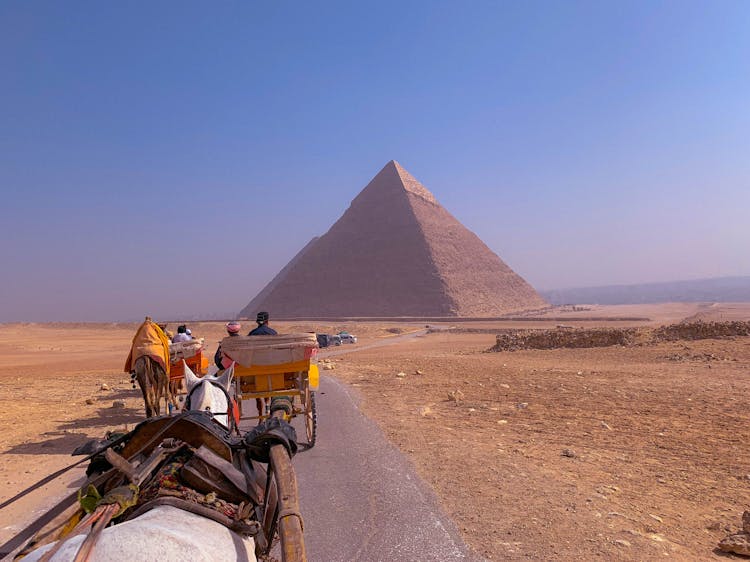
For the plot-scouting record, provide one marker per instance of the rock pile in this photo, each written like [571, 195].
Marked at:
[738, 543]
[514, 340]
[701, 331]
[564, 337]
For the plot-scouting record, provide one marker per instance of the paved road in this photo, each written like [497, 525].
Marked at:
[361, 499]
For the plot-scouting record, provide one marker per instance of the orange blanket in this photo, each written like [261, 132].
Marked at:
[149, 340]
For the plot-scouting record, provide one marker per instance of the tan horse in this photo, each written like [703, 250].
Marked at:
[148, 363]
[154, 383]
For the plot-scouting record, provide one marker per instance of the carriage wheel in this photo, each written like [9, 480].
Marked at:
[311, 418]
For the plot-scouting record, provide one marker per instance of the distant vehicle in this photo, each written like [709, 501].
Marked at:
[346, 337]
[326, 340]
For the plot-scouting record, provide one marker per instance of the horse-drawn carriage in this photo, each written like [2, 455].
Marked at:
[277, 372]
[188, 354]
[181, 484]
[177, 484]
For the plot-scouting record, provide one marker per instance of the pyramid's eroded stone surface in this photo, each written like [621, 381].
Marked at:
[395, 252]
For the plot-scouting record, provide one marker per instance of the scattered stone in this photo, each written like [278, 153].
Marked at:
[502, 422]
[738, 543]
[104, 386]
[118, 404]
[425, 411]
[579, 373]
[401, 375]
[503, 385]
[472, 410]
[655, 517]
[622, 542]
[455, 396]
[570, 453]
[606, 426]
[522, 405]
[514, 339]
[89, 401]
[328, 367]
[418, 372]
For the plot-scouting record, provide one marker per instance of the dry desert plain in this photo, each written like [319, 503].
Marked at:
[627, 453]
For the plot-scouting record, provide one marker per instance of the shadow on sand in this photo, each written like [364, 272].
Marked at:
[107, 418]
[62, 445]
[66, 438]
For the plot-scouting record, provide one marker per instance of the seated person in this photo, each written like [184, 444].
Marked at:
[181, 334]
[233, 329]
[263, 328]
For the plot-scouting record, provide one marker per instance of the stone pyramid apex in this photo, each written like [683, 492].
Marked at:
[393, 176]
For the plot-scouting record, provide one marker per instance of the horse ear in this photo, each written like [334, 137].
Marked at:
[190, 379]
[225, 379]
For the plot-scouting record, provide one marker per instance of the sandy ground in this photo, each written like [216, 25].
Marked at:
[611, 453]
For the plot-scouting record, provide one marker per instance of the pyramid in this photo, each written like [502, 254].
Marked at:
[395, 252]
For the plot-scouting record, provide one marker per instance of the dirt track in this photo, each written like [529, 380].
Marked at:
[610, 453]
[601, 453]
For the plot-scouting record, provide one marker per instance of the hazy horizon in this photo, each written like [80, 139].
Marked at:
[170, 162]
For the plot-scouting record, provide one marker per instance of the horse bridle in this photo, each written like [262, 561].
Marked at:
[233, 424]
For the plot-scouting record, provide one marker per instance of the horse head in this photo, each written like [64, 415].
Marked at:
[210, 393]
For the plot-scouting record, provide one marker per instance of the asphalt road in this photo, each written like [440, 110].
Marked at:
[360, 497]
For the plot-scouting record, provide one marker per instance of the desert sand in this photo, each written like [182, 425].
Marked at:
[609, 453]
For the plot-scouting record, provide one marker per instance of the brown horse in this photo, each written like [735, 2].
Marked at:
[154, 383]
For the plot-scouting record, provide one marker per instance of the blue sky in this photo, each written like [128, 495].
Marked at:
[170, 157]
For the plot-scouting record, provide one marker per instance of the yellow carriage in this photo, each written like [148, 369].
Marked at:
[272, 368]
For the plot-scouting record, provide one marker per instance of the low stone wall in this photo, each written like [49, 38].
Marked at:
[701, 331]
[514, 340]
[564, 337]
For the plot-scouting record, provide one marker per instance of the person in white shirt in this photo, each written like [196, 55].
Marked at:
[181, 334]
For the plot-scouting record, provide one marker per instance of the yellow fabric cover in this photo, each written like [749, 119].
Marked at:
[149, 340]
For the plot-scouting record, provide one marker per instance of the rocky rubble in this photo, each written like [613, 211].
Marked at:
[513, 340]
[564, 337]
[738, 543]
[700, 331]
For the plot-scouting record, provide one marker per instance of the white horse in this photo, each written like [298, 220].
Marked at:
[167, 533]
[210, 394]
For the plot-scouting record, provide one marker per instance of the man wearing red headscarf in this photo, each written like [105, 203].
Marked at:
[233, 329]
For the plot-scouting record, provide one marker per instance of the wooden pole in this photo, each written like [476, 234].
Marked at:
[290, 520]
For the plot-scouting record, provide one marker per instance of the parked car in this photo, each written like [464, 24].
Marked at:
[326, 340]
[346, 337]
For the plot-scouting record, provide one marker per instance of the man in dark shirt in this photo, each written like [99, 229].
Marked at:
[263, 328]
